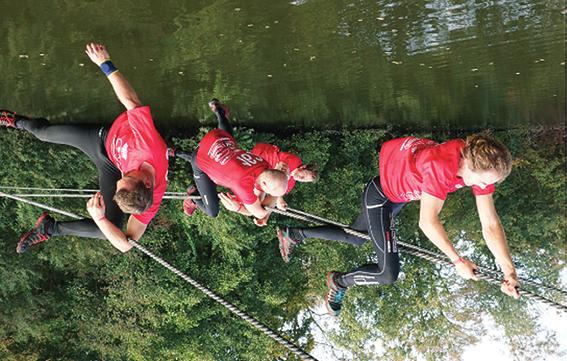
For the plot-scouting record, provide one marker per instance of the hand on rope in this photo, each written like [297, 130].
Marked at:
[96, 207]
[510, 285]
[466, 268]
[281, 203]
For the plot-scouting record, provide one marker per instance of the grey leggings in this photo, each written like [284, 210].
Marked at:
[376, 219]
[90, 140]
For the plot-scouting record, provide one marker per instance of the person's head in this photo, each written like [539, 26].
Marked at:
[134, 193]
[485, 160]
[273, 182]
[306, 173]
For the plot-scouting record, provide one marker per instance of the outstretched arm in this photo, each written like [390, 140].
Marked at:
[124, 91]
[430, 224]
[495, 238]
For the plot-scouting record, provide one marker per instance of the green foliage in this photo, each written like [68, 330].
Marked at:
[74, 298]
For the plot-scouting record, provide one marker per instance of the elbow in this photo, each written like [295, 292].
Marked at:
[424, 225]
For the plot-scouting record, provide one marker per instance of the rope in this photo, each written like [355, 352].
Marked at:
[311, 217]
[303, 355]
[308, 217]
[415, 251]
[487, 274]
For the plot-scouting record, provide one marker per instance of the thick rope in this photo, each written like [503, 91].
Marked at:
[410, 249]
[308, 217]
[303, 355]
[311, 218]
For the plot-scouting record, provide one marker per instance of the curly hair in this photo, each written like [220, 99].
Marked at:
[135, 200]
[483, 152]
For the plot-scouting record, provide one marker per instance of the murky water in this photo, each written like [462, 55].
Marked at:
[415, 64]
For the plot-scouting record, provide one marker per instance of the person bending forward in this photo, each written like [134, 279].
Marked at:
[131, 161]
[419, 169]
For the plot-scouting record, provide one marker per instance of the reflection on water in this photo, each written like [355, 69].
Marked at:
[418, 64]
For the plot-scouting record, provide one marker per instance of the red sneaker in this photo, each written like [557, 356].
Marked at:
[217, 106]
[39, 233]
[8, 118]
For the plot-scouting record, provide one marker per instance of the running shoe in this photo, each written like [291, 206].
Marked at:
[189, 206]
[287, 244]
[335, 294]
[39, 233]
[8, 118]
[217, 106]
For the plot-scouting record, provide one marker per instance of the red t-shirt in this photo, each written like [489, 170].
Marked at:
[273, 155]
[133, 140]
[410, 166]
[229, 166]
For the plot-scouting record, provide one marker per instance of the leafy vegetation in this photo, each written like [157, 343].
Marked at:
[80, 299]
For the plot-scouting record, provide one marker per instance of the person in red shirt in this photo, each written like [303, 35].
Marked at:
[219, 161]
[131, 160]
[284, 161]
[414, 169]
[289, 162]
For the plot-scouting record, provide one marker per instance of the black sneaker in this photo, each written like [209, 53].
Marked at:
[9, 118]
[39, 233]
[335, 294]
[287, 244]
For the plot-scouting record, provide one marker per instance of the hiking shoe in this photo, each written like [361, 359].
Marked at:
[335, 294]
[287, 244]
[39, 233]
[218, 107]
[189, 206]
[8, 118]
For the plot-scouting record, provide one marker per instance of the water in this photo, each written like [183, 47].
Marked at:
[321, 64]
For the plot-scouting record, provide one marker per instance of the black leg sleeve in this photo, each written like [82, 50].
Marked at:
[89, 140]
[378, 212]
[209, 202]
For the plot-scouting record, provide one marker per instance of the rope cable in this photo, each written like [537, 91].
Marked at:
[303, 355]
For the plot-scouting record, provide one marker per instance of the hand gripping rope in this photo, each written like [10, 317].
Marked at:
[490, 275]
[303, 355]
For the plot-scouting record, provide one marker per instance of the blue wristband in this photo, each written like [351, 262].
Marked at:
[108, 68]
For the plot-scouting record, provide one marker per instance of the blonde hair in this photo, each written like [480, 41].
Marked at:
[136, 200]
[483, 152]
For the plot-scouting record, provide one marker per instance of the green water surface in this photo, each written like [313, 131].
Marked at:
[312, 63]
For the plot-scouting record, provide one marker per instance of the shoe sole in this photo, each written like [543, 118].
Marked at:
[283, 245]
[25, 235]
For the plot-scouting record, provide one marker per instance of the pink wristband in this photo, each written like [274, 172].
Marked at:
[101, 218]
[457, 261]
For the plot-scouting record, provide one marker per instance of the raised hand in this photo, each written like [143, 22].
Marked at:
[97, 53]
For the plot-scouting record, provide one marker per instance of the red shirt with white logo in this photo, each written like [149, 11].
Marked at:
[410, 166]
[229, 166]
[132, 140]
[273, 155]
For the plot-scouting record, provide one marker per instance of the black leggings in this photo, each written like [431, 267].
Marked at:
[209, 202]
[90, 140]
[376, 219]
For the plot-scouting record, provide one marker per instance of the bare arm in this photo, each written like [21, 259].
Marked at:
[430, 224]
[117, 238]
[124, 91]
[495, 238]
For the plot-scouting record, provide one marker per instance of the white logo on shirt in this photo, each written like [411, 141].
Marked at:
[222, 150]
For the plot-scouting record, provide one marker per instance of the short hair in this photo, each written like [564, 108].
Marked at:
[484, 152]
[135, 200]
[276, 176]
[313, 168]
